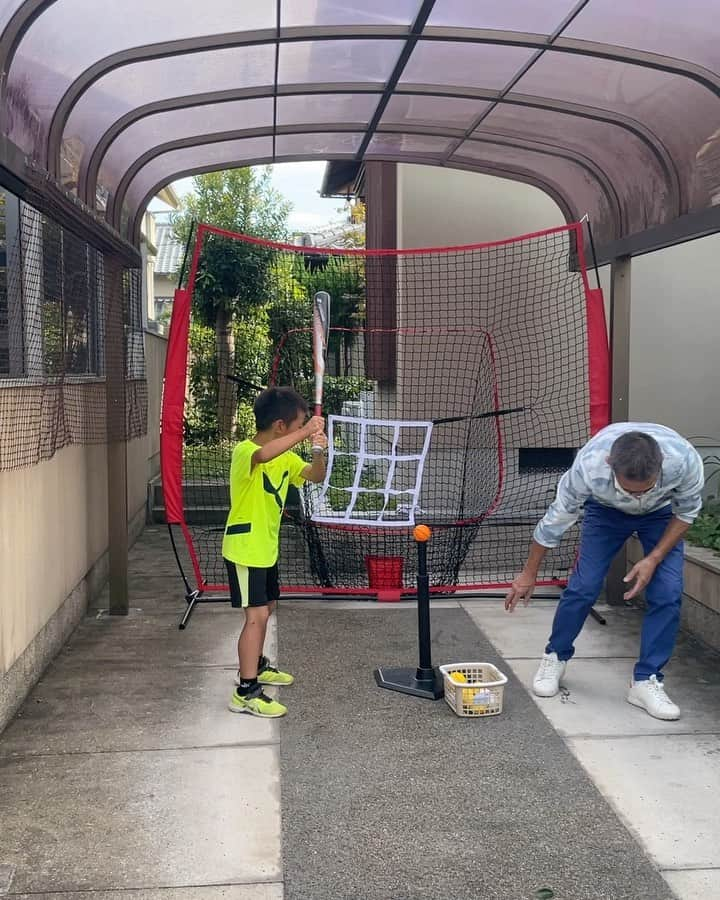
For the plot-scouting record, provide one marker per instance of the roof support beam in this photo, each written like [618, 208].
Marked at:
[513, 173]
[594, 172]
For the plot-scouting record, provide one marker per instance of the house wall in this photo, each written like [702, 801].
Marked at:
[54, 541]
[445, 207]
[675, 343]
[521, 307]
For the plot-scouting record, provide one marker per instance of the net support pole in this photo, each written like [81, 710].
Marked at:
[424, 681]
[116, 437]
[620, 407]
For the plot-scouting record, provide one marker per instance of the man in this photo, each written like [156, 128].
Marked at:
[630, 478]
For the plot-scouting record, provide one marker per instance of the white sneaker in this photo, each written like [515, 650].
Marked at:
[546, 682]
[650, 695]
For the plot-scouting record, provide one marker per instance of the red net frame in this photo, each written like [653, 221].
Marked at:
[406, 269]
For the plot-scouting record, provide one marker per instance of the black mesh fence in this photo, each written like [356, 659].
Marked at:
[416, 336]
[70, 326]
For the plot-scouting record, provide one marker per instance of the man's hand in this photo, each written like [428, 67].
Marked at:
[521, 589]
[641, 573]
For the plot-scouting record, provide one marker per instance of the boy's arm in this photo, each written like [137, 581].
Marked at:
[279, 445]
[316, 471]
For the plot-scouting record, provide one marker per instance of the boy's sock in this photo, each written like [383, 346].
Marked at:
[247, 686]
[262, 663]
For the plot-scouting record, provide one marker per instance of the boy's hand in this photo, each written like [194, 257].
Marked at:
[316, 425]
[320, 440]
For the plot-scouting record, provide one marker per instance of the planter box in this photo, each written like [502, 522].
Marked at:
[701, 599]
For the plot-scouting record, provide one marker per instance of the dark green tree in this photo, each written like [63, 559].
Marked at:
[233, 277]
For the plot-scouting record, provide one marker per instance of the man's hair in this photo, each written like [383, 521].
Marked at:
[277, 403]
[636, 456]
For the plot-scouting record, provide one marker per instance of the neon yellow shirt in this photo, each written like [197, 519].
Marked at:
[257, 500]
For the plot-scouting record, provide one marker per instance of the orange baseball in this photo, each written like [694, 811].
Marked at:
[421, 533]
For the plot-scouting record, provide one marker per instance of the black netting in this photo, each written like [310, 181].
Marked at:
[70, 325]
[427, 336]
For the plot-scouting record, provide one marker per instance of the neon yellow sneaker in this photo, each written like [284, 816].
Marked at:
[256, 704]
[268, 674]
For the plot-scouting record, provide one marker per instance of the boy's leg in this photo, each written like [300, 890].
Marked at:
[267, 673]
[252, 641]
[604, 531]
[249, 586]
[664, 598]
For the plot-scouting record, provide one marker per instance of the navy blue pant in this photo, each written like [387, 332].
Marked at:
[604, 531]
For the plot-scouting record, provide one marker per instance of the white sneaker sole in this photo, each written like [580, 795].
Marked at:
[640, 705]
[544, 694]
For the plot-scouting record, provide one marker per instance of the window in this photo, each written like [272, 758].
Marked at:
[11, 321]
[545, 459]
[68, 303]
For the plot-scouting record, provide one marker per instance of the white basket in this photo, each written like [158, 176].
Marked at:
[480, 695]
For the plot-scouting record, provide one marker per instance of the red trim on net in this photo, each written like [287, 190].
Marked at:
[337, 251]
[598, 361]
[176, 374]
[598, 344]
[173, 407]
[369, 592]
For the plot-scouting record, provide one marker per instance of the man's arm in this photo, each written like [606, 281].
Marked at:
[279, 445]
[564, 511]
[686, 504]
[643, 571]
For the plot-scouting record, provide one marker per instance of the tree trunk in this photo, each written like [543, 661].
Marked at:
[227, 402]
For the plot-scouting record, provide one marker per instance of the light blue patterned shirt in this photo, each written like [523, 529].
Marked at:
[680, 483]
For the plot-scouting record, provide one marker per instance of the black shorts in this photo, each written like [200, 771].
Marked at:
[250, 586]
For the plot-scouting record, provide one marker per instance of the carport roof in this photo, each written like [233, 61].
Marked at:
[612, 108]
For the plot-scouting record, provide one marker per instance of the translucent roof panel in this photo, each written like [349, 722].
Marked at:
[655, 99]
[613, 107]
[7, 8]
[654, 26]
[338, 12]
[617, 153]
[329, 62]
[449, 62]
[180, 124]
[142, 83]
[326, 108]
[510, 15]
[60, 47]
[394, 146]
[328, 145]
[421, 110]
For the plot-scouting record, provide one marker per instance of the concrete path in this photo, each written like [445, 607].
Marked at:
[663, 778]
[125, 778]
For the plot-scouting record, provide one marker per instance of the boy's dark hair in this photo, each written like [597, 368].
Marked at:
[636, 456]
[277, 403]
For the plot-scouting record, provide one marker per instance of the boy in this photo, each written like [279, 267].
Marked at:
[261, 471]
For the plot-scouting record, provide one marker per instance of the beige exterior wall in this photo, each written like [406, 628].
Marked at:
[445, 207]
[442, 207]
[53, 521]
[53, 528]
[675, 338]
[675, 342]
